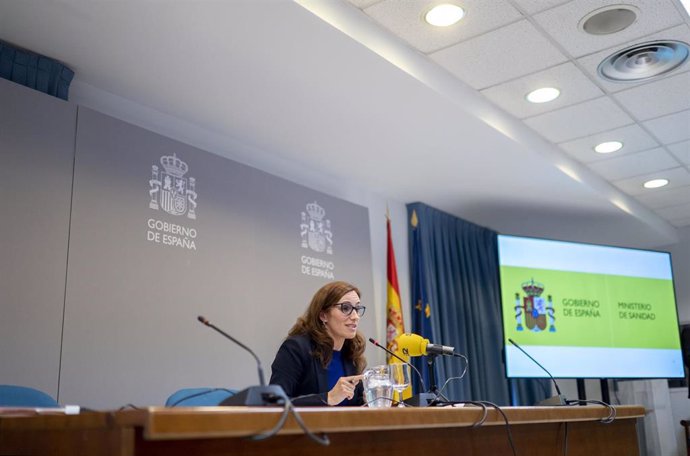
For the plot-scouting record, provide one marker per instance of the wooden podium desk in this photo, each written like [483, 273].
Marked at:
[193, 431]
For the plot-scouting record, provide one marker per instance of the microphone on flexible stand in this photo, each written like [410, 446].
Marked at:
[375, 342]
[554, 400]
[416, 345]
[418, 400]
[254, 395]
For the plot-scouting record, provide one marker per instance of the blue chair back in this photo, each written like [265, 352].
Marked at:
[198, 397]
[23, 396]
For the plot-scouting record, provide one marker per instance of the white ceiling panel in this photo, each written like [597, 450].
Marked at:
[591, 62]
[504, 54]
[346, 72]
[406, 19]
[681, 151]
[658, 98]
[679, 213]
[580, 120]
[678, 177]
[633, 137]
[562, 24]
[363, 3]
[681, 223]
[573, 84]
[630, 165]
[535, 6]
[670, 129]
[665, 198]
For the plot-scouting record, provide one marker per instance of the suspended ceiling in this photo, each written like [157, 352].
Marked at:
[367, 95]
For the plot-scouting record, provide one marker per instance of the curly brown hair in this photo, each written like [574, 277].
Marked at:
[311, 325]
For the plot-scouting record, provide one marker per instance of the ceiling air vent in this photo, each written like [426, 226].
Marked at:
[643, 61]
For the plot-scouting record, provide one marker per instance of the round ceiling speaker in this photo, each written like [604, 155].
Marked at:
[610, 19]
[643, 61]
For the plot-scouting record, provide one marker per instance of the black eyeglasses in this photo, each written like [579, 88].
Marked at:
[347, 308]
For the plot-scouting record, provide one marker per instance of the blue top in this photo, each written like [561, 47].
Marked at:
[300, 373]
[335, 371]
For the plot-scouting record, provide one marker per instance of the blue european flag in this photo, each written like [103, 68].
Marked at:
[421, 307]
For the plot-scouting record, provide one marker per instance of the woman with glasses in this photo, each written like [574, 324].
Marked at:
[322, 359]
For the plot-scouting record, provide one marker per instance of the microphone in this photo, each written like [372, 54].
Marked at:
[417, 400]
[555, 400]
[254, 395]
[416, 345]
[262, 381]
[375, 342]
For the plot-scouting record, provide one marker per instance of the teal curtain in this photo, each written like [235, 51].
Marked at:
[458, 264]
[35, 71]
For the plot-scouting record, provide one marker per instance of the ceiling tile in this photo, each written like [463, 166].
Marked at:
[630, 165]
[499, 56]
[678, 177]
[406, 19]
[534, 6]
[633, 137]
[681, 212]
[591, 62]
[363, 3]
[681, 223]
[670, 129]
[580, 120]
[681, 151]
[573, 84]
[562, 24]
[657, 99]
[665, 198]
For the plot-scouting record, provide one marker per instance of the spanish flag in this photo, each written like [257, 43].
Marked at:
[394, 320]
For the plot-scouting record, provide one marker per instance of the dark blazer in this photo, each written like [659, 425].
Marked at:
[300, 373]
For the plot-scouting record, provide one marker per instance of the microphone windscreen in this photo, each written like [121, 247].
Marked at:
[412, 344]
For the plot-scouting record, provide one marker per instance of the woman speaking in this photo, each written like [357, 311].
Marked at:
[321, 361]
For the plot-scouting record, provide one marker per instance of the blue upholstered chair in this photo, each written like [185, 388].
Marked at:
[23, 396]
[197, 397]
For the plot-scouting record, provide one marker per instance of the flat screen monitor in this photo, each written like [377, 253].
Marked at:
[588, 311]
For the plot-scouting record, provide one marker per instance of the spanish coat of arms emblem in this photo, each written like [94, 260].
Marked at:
[170, 190]
[534, 308]
[315, 229]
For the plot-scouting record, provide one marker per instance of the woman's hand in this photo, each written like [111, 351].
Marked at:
[344, 389]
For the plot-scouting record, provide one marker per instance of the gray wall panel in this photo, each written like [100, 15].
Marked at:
[36, 151]
[131, 333]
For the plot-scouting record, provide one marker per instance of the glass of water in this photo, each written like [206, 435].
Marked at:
[400, 378]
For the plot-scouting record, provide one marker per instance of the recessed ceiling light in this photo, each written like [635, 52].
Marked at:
[444, 15]
[655, 183]
[608, 147]
[543, 95]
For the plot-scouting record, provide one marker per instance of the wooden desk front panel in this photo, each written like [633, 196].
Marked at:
[584, 439]
[222, 431]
